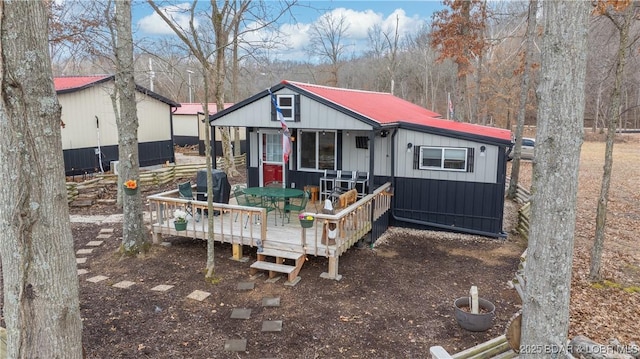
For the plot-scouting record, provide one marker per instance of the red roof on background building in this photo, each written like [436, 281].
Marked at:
[385, 108]
[64, 85]
[192, 108]
[77, 82]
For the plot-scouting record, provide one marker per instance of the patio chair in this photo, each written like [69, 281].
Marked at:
[249, 201]
[185, 191]
[297, 205]
[345, 180]
[275, 184]
[327, 183]
[361, 183]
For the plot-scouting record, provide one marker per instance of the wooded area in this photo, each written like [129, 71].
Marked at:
[421, 67]
[581, 74]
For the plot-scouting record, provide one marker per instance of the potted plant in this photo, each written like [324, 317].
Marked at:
[180, 220]
[130, 187]
[306, 221]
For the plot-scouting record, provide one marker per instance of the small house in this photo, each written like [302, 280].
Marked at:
[189, 127]
[445, 175]
[89, 131]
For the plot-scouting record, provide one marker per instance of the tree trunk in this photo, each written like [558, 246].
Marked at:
[237, 144]
[41, 307]
[135, 238]
[211, 263]
[222, 35]
[555, 178]
[614, 112]
[524, 94]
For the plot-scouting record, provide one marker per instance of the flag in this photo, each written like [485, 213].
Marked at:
[450, 107]
[286, 136]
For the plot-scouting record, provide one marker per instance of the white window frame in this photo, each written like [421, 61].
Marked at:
[301, 144]
[443, 158]
[292, 108]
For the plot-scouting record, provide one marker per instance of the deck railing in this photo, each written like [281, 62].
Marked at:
[236, 225]
[335, 233]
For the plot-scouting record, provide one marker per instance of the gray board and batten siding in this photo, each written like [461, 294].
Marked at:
[469, 201]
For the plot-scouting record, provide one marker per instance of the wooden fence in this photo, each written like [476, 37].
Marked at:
[155, 177]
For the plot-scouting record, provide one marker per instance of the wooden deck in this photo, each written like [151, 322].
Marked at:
[330, 236]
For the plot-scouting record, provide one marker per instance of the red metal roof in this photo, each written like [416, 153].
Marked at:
[385, 108]
[68, 83]
[189, 108]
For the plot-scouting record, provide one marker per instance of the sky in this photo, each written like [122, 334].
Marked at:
[360, 15]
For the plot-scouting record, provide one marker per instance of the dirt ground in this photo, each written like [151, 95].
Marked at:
[394, 301]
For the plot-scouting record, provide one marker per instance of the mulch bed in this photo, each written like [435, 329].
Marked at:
[395, 300]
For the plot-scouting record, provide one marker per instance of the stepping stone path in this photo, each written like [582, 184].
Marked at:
[198, 295]
[272, 326]
[162, 288]
[82, 271]
[246, 285]
[233, 345]
[124, 284]
[270, 302]
[241, 313]
[96, 279]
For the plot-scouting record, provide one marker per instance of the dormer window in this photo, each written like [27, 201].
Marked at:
[287, 106]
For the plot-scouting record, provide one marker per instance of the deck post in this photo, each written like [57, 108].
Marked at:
[332, 272]
[237, 253]
[156, 237]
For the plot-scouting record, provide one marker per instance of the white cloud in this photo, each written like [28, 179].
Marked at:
[359, 21]
[406, 25]
[154, 25]
[295, 37]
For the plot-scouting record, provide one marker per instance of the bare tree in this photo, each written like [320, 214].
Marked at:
[392, 56]
[555, 179]
[223, 19]
[621, 19]
[135, 238]
[41, 307]
[524, 94]
[327, 42]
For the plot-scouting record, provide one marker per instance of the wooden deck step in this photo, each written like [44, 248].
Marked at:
[275, 267]
[272, 252]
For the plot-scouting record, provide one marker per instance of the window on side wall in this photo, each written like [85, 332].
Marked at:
[317, 150]
[444, 158]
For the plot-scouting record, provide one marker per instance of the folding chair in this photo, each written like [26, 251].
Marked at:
[297, 204]
[185, 191]
[247, 201]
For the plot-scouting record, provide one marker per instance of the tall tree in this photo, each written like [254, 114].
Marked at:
[524, 94]
[555, 177]
[41, 307]
[458, 35]
[326, 40]
[135, 238]
[621, 16]
[223, 19]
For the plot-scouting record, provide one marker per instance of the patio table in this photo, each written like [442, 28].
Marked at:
[274, 195]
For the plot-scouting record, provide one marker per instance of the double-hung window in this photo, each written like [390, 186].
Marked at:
[444, 158]
[317, 150]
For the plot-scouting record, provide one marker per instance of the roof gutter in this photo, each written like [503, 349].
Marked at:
[427, 223]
